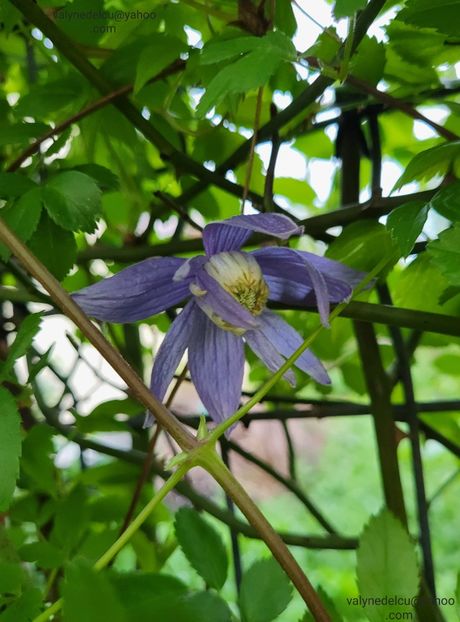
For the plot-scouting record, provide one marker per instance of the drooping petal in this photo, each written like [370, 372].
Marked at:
[286, 340]
[172, 349]
[291, 265]
[215, 301]
[231, 234]
[267, 353]
[334, 269]
[216, 363]
[288, 274]
[135, 293]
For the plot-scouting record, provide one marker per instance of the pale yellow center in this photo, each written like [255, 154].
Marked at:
[240, 275]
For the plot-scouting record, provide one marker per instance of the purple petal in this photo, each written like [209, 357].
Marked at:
[216, 363]
[285, 261]
[334, 269]
[267, 353]
[135, 293]
[286, 340]
[216, 300]
[172, 349]
[288, 274]
[231, 234]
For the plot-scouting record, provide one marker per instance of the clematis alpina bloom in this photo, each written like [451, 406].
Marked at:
[226, 293]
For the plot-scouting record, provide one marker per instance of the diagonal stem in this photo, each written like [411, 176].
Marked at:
[214, 465]
[289, 484]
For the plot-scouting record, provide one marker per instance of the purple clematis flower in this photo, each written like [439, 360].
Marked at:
[227, 291]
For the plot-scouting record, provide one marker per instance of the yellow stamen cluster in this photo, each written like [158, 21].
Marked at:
[240, 275]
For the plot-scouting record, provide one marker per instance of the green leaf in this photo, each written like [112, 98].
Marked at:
[148, 596]
[10, 447]
[362, 245]
[105, 178]
[442, 15]
[37, 466]
[329, 605]
[368, 62]
[25, 608]
[205, 606]
[38, 363]
[11, 577]
[407, 73]
[89, 595]
[44, 99]
[284, 17]
[202, 546]
[54, 246]
[445, 254]
[71, 520]
[386, 566]
[22, 217]
[314, 146]
[44, 553]
[405, 224]
[428, 163]
[249, 72]
[416, 45]
[226, 49]
[296, 190]
[448, 294]
[411, 287]
[102, 418]
[24, 337]
[326, 46]
[14, 184]
[73, 200]
[448, 364]
[21, 133]
[347, 8]
[265, 591]
[447, 201]
[161, 51]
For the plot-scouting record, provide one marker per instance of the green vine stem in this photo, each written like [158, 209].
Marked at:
[124, 538]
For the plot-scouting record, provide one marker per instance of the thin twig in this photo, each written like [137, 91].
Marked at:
[247, 180]
[172, 203]
[147, 466]
[399, 104]
[270, 176]
[290, 451]
[290, 484]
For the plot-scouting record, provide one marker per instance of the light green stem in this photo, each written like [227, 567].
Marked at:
[125, 537]
[219, 430]
[348, 50]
